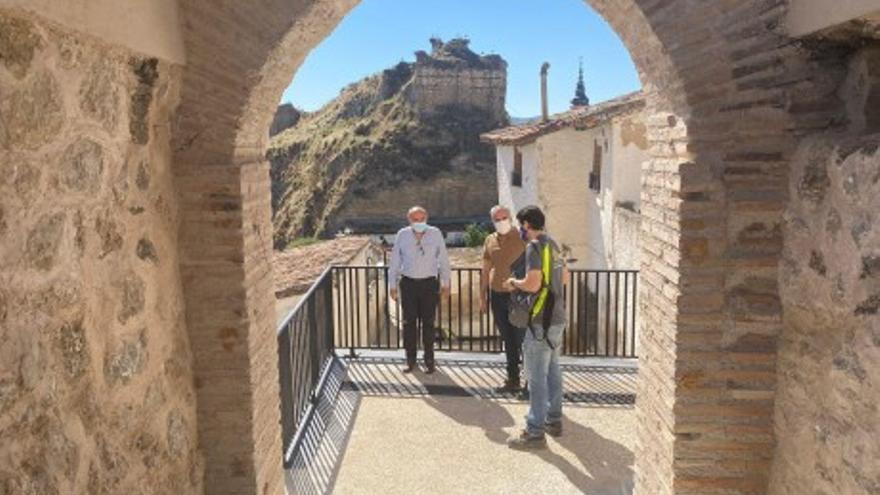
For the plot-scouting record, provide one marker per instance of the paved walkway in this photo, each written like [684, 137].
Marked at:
[445, 433]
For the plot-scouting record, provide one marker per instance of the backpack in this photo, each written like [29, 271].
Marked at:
[524, 306]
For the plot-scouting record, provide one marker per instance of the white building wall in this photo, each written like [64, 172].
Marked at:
[600, 229]
[614, 244]
[604, 203]
[515, 197]
[565, 160]
[629, 149]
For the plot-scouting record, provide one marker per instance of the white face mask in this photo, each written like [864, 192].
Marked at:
[503, 227]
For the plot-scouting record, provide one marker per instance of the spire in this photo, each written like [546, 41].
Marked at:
[580, 91]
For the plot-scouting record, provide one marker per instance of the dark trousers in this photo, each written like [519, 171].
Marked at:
[511, 335]
[419, 298]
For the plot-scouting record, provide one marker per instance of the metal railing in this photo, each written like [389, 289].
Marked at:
[349, 307]
[601, 305]
[305, 353]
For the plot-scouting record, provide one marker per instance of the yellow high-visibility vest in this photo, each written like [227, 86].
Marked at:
[546, 270]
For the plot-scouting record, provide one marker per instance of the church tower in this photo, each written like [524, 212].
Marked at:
[580, 91]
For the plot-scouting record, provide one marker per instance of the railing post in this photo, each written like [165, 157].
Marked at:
[314, 349]
[329, 324]
[285, 375]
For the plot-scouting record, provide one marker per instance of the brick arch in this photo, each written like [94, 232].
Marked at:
[712, 199]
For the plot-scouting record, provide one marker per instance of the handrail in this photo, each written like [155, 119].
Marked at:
[349, 307]
[309, 412]
[477, 269]
[305, 297]
[601, 309]
[305, 348]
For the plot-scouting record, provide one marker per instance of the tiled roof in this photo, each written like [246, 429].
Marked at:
[583, 117]
[297, 269]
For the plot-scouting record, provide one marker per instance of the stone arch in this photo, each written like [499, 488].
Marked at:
[720, 97]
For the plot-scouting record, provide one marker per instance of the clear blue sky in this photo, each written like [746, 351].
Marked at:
[379, 33]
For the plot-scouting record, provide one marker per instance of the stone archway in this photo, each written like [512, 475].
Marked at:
[719, 99]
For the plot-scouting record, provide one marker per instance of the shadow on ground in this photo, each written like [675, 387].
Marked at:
[605, 465]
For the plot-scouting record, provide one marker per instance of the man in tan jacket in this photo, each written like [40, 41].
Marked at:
[501, 250]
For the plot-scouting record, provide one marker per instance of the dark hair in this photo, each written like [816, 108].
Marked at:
[533, 215]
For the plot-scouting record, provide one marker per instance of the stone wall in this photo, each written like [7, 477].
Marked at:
[827, 419]
[729, 94]
[96, 390]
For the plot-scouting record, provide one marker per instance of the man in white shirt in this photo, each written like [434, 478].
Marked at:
[419, 271]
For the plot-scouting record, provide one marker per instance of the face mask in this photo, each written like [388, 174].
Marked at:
[420, 227]
[523, 234]
[502, 227]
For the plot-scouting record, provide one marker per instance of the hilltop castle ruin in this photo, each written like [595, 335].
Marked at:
[452, 74]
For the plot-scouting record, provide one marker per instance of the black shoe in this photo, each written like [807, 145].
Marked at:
[509, 387]
[523, 394]
[525, 441]
[429, 368]
[409, 368]
[553, 429]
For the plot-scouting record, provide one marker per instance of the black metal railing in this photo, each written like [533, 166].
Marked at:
[349, 307]
[305, 353]
[601, 304]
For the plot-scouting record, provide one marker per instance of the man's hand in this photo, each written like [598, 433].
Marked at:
[444, 292]
[509, 284]
[394, 294]
[484, 302]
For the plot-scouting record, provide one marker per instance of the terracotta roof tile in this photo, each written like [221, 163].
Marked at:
[297, 269]
[587, 117]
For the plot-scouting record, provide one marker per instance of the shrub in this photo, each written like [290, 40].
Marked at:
[302, 242]
[474, 235]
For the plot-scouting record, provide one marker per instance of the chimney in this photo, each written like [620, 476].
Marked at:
[545, 113]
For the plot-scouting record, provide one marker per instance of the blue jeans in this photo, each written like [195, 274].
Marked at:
[545, 378]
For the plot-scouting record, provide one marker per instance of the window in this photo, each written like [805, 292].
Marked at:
[516, 180]
[596, 174]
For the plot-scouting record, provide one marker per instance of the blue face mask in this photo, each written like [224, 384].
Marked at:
[420, 227]
[523, 234]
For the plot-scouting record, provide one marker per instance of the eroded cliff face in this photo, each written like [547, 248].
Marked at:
[384, 144]
[96, 392]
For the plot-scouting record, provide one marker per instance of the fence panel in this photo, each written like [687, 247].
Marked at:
[601, 305]
[305, 347]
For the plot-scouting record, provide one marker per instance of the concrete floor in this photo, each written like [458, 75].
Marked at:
[448, 443]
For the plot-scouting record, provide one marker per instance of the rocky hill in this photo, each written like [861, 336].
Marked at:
[407, 135]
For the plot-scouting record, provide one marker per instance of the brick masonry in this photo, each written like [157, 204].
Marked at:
[730, 101]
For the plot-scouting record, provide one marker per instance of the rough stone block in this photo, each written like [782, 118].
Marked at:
[44, 240]
[18, 44]
[32, 115]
